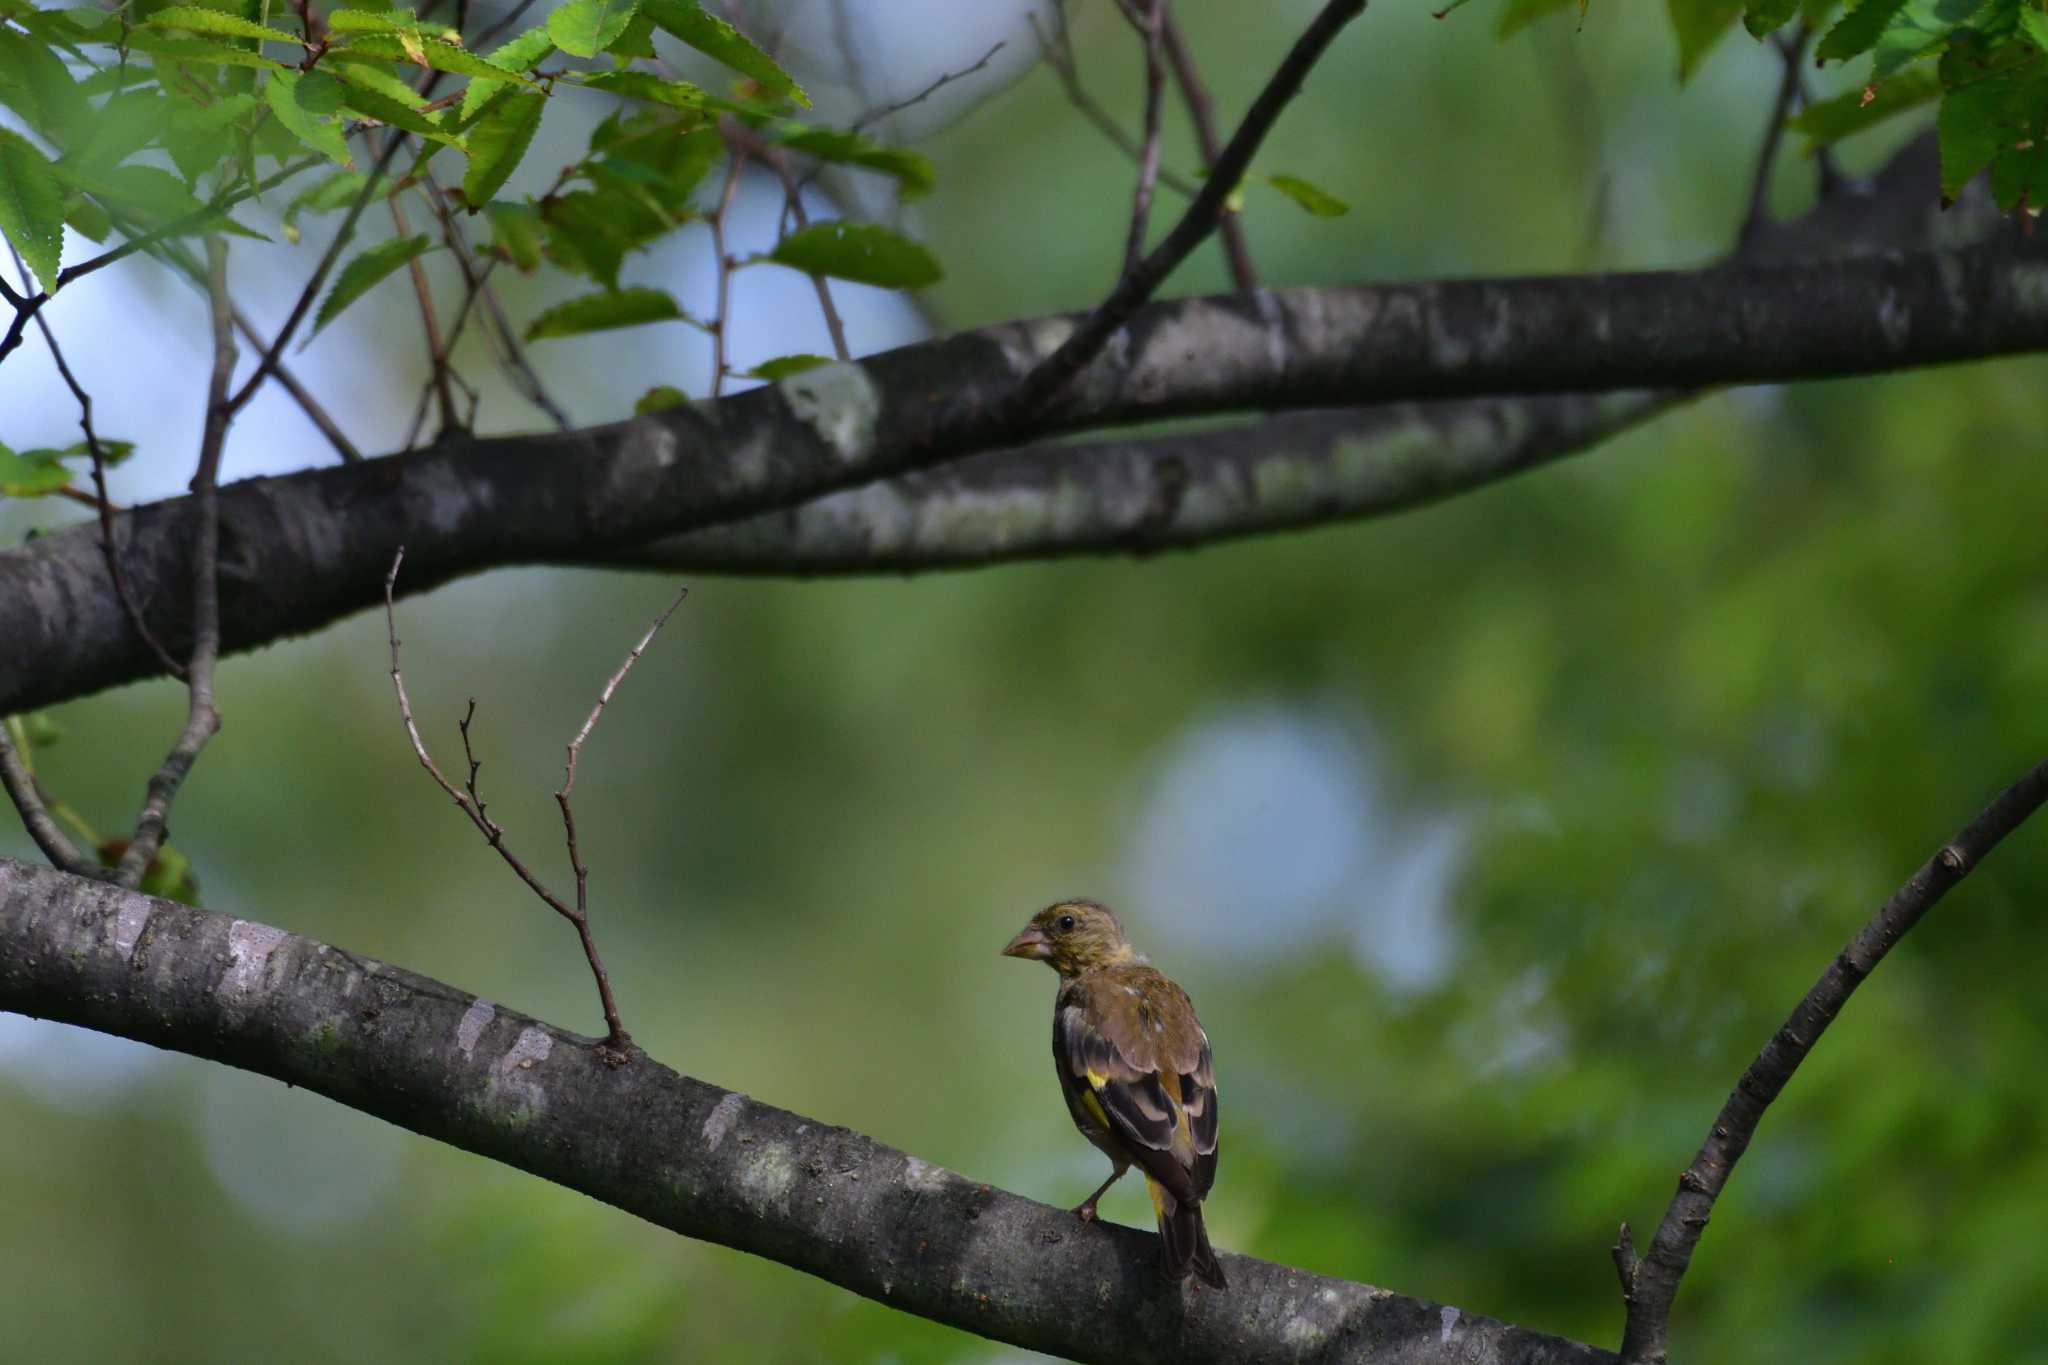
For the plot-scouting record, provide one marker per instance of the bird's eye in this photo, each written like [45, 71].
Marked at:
[1066, 922]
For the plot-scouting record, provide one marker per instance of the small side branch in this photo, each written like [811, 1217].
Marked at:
[20, 781]
[1202, 113]
[1148, 17]
[617, 1046]
[1653, 1282]
[1138, 284]
[202, 719]
[1792, 51]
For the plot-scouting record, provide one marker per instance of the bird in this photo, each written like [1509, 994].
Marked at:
[1135, 1067]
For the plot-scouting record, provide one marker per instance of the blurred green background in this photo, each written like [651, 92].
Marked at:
[1491, 840]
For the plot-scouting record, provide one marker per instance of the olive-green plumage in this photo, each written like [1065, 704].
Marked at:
[1134, 1065]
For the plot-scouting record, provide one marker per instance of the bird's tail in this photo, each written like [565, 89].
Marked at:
[1185, 1241]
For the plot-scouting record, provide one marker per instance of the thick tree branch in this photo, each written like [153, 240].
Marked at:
[1650, 1284]
[699, 1160]
[313, 546]
[1145, 494]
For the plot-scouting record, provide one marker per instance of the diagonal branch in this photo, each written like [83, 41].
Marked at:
[694, 1158]
[1650, 1284]
[1202, 113]
[19, 781]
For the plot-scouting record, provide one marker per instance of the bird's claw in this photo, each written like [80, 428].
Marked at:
[1085, 1212]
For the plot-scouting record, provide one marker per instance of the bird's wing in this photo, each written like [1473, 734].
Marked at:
[1131, 1041]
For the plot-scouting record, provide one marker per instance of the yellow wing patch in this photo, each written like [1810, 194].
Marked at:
[1094, 1105]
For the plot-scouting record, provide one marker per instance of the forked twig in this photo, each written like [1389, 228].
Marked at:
[617, 1045]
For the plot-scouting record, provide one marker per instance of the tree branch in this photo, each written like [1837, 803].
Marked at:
[699, 1160]
[1650, 1285]
[313, 546]
[1201, 112]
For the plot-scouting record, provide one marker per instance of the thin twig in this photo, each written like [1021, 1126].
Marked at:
[1202, 113]
[1137, 285]
[102, 505]
[19, 780]
[617, 1045]
[736, 160]
[430, 327]
[946, 78]
[1792, 50]
[1149, 18]
[202, 719]
[777, 159]
[1655, 1278]
[1058, 51]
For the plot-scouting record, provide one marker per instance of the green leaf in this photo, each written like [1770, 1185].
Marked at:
[85, 217]
[636, 41]
[584, 28]
[1854, 110]
[783, 366]
[31, 206]
[374, 104]
[433, 52]
[321, 133]
[720, 41]
[35, 84]
[218, 23]
[602, 311]
[495, 145]
[371, 76]
[31, 474]
[516, 233]
[197, 51]
[1311, 197]
[169, 876]
[660, 398]
[862, 252]
[585, 235]
[1765, 17]
[196, 136]
[522, 53]
[1857, 31]
[645, 85]
[111, 452]
[913, 171]
[1699, 24]
[360, 275]
[325, 196]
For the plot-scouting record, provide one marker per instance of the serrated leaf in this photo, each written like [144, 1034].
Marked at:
[86, 218]
[371, 76]
[603, 311]
[636, 41]
[363, 273]
[1312, 197]
[122, 126]
[433, 52]
[865, 253]
[522, 53]
[720, 41]
[1765, 17]
[372, 104]
[1857, 31]
[584, 236]
[195, 138]
[35, 84]
[31, 206]
[31, 474]
[516, 233]
[496, 143]
[584, 28]
[913, 172]
[783, 366]
[218, 23]
[660, 398]
[164, 45]
[645, 85]
[372, 21]
[1854, 110]
[323, 134]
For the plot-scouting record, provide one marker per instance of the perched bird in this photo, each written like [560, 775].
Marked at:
[1134, 1065]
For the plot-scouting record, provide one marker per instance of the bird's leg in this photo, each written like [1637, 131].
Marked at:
[1085, 1210]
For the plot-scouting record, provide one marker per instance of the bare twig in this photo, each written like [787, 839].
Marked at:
[1791, 50]
[1201, 112]
[430, 327]
[102, 505]
[777, 159]
[1058, 51]
[1148, 17]
[946, 78]
[469, 800]
[202, 720]
[736, 161]
[19, 780]
[1654, 1281]
[1138, 284]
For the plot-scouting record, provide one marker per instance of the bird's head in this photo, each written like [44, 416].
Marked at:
[1072, 937]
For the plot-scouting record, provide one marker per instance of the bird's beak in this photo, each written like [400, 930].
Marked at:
[1030, 942]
